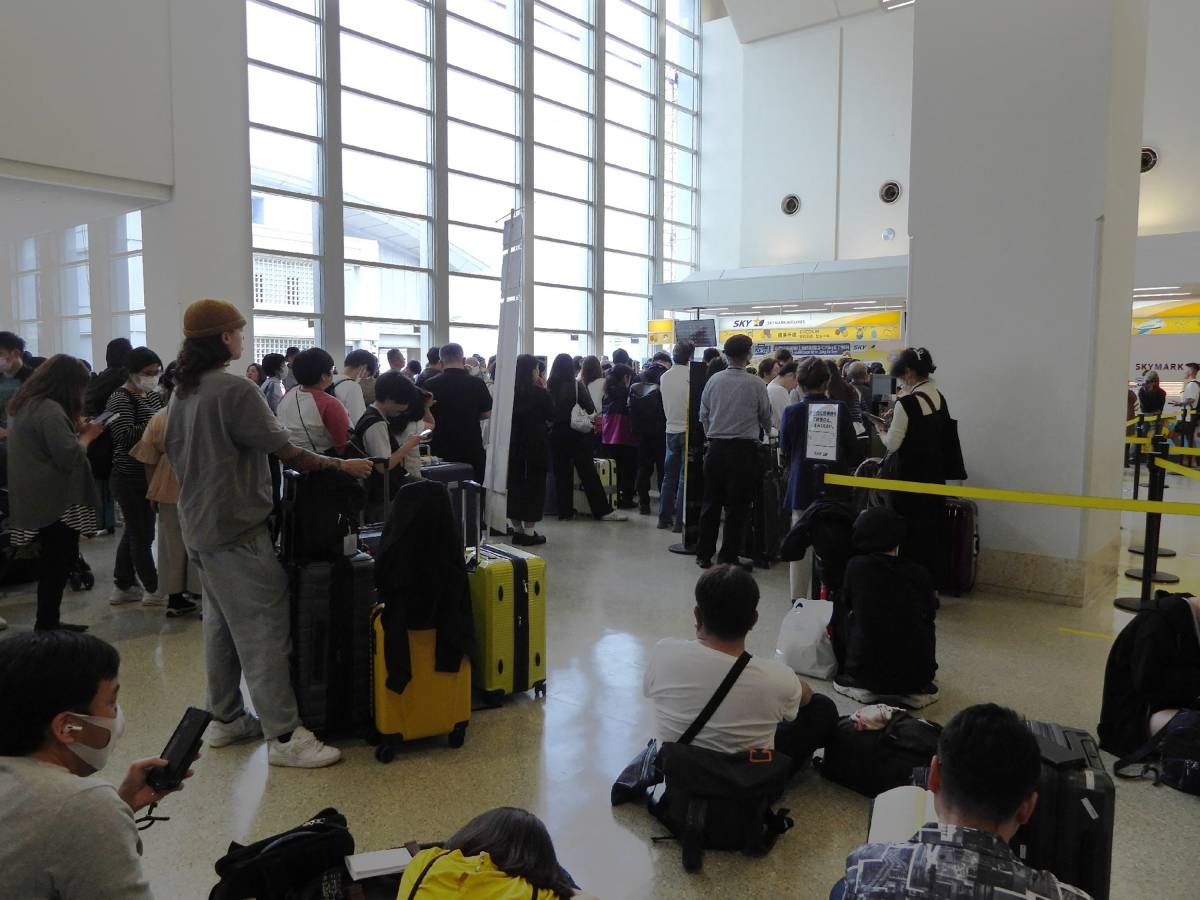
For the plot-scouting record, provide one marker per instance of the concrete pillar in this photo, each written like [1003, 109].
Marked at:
[198, 243]
[1026, 127]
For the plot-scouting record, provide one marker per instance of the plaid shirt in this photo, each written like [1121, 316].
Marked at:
[949, 863]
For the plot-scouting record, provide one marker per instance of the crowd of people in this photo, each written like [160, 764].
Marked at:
[151, 438]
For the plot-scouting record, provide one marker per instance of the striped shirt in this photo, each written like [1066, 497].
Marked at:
[134, 412]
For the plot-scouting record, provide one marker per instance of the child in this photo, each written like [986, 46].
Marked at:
[886, 618]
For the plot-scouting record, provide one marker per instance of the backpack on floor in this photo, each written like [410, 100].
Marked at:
[872, 762]
[1173, 755]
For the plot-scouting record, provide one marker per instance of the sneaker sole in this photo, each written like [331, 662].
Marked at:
[862, 696]
[293, 764]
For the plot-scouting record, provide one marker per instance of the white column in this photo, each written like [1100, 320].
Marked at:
[198, 244]
[1026, 128]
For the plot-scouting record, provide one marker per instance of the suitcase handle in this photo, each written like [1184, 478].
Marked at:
[478, 489]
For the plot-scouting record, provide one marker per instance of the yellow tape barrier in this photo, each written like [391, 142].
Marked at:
[1175, 451]
[1168, 466]
[1150, 420]
[1076, 501]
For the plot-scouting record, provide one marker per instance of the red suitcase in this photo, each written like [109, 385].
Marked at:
[960, 544]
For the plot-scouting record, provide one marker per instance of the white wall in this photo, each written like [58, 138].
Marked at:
[85, 87]
[721, 86]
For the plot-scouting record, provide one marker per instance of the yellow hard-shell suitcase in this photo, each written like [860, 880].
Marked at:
[433, 702]
[607, 470]
[508, 599]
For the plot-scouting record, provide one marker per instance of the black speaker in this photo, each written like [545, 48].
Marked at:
[1149, 159]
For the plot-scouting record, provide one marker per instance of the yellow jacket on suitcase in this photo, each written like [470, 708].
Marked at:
[452, 875]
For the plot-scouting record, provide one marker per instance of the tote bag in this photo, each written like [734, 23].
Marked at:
[804, 645]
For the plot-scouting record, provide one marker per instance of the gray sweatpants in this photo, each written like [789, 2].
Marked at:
[247, 628]
[176, 574]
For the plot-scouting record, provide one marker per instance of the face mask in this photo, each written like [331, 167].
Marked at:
[148, 383]
[95, 757]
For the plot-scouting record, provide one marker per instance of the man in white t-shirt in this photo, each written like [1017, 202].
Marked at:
[779, 392]
[769, 705]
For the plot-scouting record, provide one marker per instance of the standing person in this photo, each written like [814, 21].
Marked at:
[649, 422]
[860, 380]
[254, 373]
[413, 370]
[274, 367]
[571, 449]
[840, 389]
[617, 433]
[114, 375]
[768, 369]
[734, 411]
[806, 472]
[316, 420]
[395, 397]
[289, 378]
[345, 386]
[780, 392]
[177, 577]
[591, 376]
[13, 371]
[675, 388]
[54, 500]
[132, 406]
[395, 360]
[221, 423]
[915, 434]
[434, 368]
[1151, 397]
[462, 402]
[362, 366]
[528, 452]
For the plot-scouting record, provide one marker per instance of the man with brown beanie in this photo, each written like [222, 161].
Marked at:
[219, 432]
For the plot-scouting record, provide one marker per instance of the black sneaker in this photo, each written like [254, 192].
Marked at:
[703, 562]
[644, 510]
[181, 607]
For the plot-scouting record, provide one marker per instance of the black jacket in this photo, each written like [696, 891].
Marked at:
[827, 525]
[886, 622]
[1154, 665]
[529, 442]
[422, 579]
[100, 389]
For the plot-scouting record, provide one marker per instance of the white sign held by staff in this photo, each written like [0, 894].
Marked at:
[822, 432]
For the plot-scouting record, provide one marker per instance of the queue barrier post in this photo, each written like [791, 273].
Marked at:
[1140, 431]
[1148, 574]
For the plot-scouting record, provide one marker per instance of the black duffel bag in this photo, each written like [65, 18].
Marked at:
[872, 762]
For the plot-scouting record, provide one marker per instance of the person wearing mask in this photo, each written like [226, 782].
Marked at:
[177, 577]
[1151, 397]
[462, 402]
[345, 387]
[591, 376]
[503, 853]
[254, 373]
[806, 468]
[132, 406]
[289, 377]
[675, 387]
[616, 433]
[54, 500]
[433, 368]
[274, 367]
[362, 366]
[395, 360]
[915, 435]
[780, 392]
[735, 412]
[649, 422]
[528, 452]
[571, 450]
[65, 832]
[767, 369]
[374, 438]
[769, 707]
[313, 416]
[984, 781]
[221, 423]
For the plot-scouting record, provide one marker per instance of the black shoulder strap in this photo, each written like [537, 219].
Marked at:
[1147, 751]
[711, 707]
[417, 884]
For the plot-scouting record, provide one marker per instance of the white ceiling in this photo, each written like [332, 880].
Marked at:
[28, 207]
[754, 20]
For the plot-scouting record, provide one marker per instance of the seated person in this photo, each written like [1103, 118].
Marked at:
[1153, 671]
[769, 705]
[884, 618]
[65, 832]
[316, 420]
[503, 853]
[984, 781]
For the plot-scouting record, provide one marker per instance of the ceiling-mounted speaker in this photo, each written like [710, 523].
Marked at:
[790, 205]
[890, 192]
[1149, 159]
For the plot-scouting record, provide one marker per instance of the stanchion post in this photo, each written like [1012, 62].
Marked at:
[1139, 431]
[1149, 572]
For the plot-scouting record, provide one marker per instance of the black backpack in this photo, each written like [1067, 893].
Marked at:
[304, 863]
[646, 415]
[872, 762]
[1173, 755]
[320, 509]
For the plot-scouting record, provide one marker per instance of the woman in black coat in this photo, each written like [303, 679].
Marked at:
[1151, 397]
[528, 452]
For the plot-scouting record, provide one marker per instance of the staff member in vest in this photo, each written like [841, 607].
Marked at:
[916, 435]
[735, 412]
[807, 465]
[462, 403]
[220, 423]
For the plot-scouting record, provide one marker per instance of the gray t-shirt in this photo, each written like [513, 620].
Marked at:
[64, 837]
[218, 438]
[734, 406]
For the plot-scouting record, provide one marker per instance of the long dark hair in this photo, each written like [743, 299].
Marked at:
[562, 370]
[591, 370]
[518, 843]
[197, 356]
[61, 378]
[527, 364]
[838, 389]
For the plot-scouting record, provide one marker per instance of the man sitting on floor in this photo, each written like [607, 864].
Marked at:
[984, 781]
[768, 707]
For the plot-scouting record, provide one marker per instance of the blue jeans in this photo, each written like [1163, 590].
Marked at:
[671, 489]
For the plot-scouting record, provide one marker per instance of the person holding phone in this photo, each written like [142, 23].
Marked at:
[65, 832]
[54, 500]
[395, 397]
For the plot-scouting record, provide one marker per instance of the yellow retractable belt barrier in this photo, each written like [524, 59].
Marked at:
[1076, 501]
[1169, 466]
[1150, 419]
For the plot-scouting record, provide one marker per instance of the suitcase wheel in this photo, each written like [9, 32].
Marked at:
[373, 737]
[539, 689]
[88, 580]
[493, 699]
[693, 856]
[459, 735]
[385, 753]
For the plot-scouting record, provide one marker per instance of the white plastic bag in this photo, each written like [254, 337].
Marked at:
[804, 645]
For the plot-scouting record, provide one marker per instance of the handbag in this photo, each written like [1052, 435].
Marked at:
[581, 420]
[616, 429]
[804, 644]
[872, 762]
[1173, 755]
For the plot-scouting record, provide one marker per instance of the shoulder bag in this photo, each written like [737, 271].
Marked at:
[1173, 755]
[581, 420]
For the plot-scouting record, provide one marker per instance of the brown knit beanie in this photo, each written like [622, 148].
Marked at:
[204, 318]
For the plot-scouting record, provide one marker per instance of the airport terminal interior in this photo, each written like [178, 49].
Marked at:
[1013, 187]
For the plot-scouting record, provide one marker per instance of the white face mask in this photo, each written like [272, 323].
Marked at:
[97, 757]
[148, 383]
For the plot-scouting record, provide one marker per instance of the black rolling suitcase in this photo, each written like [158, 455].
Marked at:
[1071, 831]
[960, 561]
[331, 642]
[453, 476]
[768, 522]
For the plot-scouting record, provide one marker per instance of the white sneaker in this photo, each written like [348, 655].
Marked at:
[245, 727]
[121, 597]
[615, 517]
[157, 600]
[303, 751]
